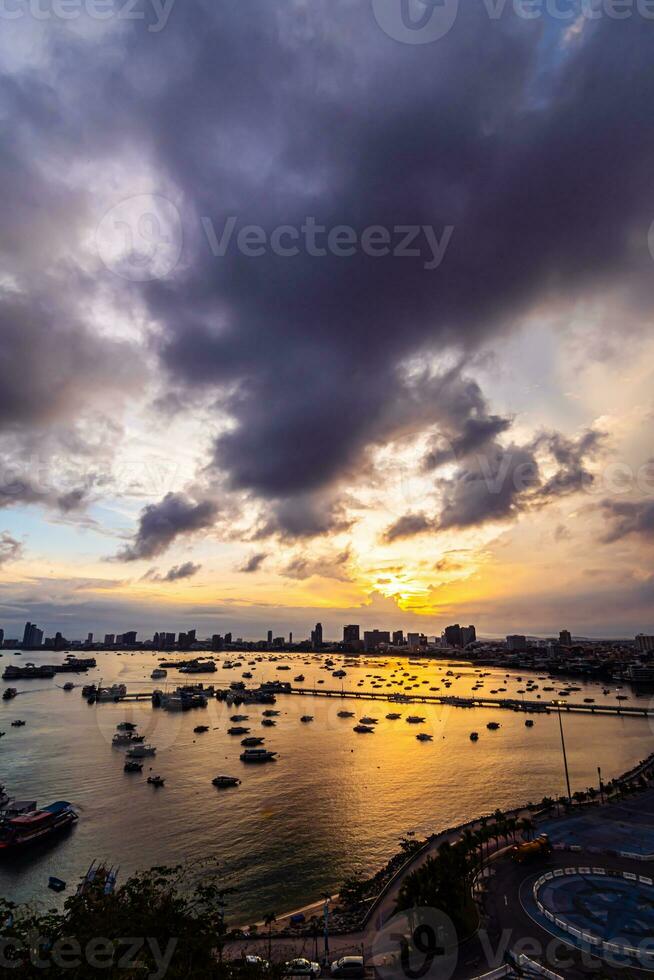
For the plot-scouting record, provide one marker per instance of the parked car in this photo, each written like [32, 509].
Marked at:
[253, 960]
[301, 968]
[350, 967]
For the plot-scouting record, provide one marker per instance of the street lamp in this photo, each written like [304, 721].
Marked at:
[565, 757]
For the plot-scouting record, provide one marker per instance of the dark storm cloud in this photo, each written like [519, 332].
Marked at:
[160, 524]
[407, 527]
[540, 161]
[254, 562]
[628, 517]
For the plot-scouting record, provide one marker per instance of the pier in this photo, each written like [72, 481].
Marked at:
[479, 701]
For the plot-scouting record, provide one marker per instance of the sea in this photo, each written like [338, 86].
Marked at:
[334, 803]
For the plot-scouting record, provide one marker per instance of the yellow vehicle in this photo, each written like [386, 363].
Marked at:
[531, 850]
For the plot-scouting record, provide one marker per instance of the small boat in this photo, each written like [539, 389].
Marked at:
[122, 738]
[474, 736]
[99, 879]
[156, 780]
[529, 723]
[158, 672]
[126, 726]
[250, 742]
[200, 728]
[424, 737]
[415, 720]
[367, 721]
[345, 714]
[270, 713]
[239, 717]
[19, 723]
[393, 716]
[237, 730]
[257, 755]
[68, 686]
[299, 678]
[222, 782]
[493, 726]
[339, 673]
[56, 884]
[306, 718]
[268, 722]
[132, 766]
[589, 700]
[9, 693]
[363, 729]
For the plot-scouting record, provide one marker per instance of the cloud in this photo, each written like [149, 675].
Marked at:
[254, 562]
[10, 548]
[627, 518]
[185, 570]
[324, 566]
[407, 526]
[160, 524]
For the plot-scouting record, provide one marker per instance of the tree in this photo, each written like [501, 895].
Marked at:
[268, 921]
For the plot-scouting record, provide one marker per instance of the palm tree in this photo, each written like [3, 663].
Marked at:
[268, 921]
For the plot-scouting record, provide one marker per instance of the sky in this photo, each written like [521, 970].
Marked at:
[335, 310]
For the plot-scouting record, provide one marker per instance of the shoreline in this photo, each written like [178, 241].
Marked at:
[434, 840]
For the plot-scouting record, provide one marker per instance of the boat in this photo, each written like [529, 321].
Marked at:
[99, 879]
[132, 765]
[140, 751]
[36, 825]
[252, 741]
[222, 782]
[126, 726]
[270, 713]
[18, 723]
[268, 722]
[345, 714]
[474, 736]
[415, 720]
[257, 755]
[492, 726]
[306, 718]
[56, 884]
[299, 678]
[424, 737]
[529, 723]
[113, 693]
[69, 686]
[156, 780]
[367, 721]
[238, 730]
[125, 738]
[158, 672]
[200, 728]
[393, 716]
[339, 673]
[363, 729]
[241, 717]
[9, 693]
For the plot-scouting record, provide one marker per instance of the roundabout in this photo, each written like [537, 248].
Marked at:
[609, 912]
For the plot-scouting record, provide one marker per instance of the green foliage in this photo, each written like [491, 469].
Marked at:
[443, 882]
[161, 923]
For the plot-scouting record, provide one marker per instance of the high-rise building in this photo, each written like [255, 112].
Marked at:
[89, 638]
[228, 638]
[644, 643]
[351, 634]
[398, 638]
[316, 636]
[270, 637]
[565, 639]
[468, 635]
[373, 638]
[453, 636]
[516, 642]
[32, 636]
[109, 639]
[2, 637]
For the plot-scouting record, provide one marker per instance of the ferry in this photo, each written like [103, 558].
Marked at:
[36, 825]
[257, 755]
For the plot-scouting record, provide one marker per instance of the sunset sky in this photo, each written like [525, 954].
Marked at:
[192, 434]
